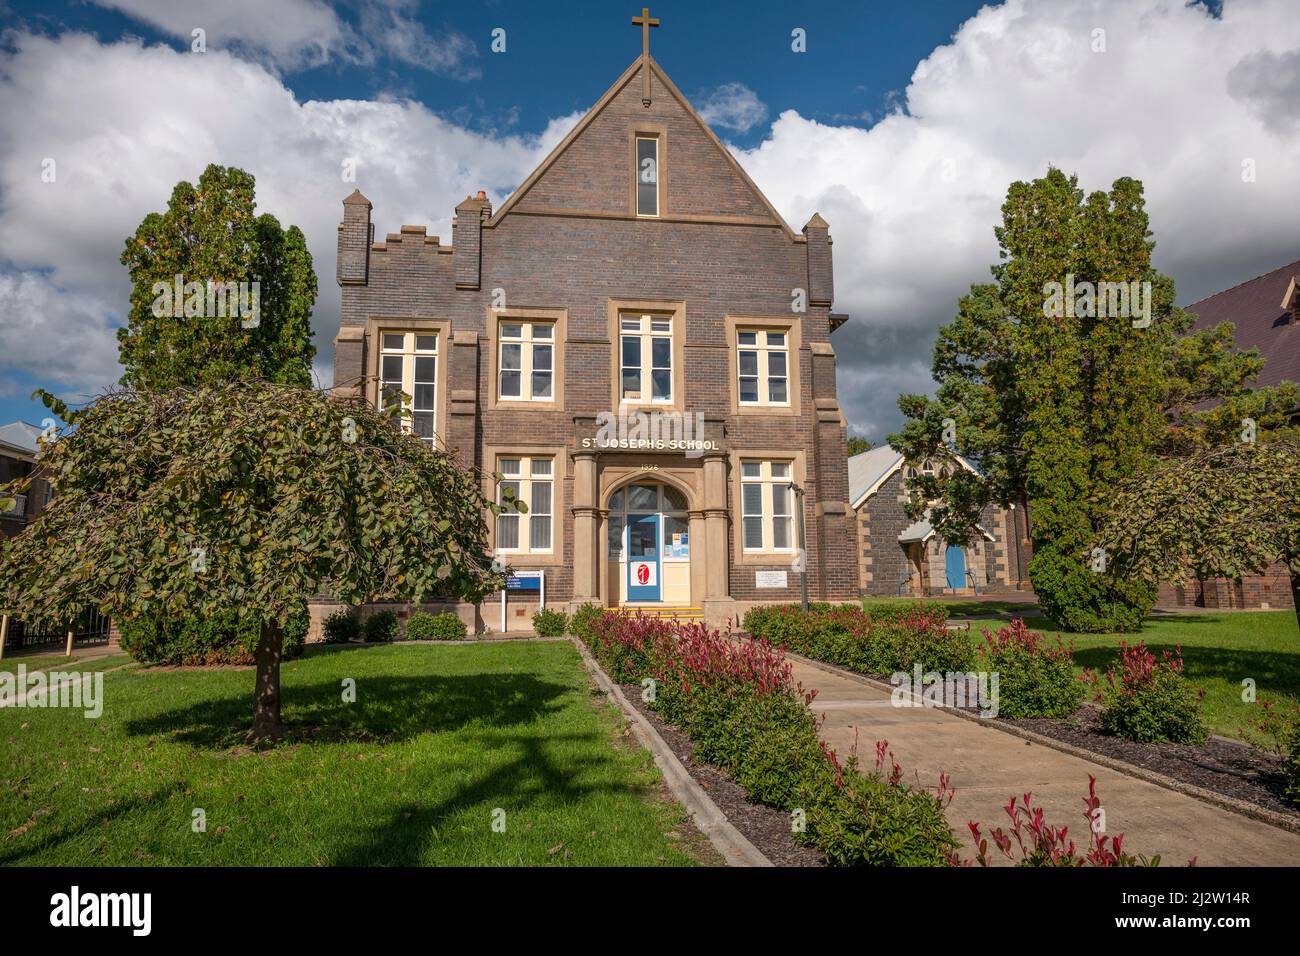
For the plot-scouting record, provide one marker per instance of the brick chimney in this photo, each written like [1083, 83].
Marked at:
[355, 235]
[467, 239]
[821, 283]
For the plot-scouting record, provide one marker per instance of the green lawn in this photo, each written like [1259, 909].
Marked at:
[961, 608]
[439, 738]
[1219, 651]
[35, 662]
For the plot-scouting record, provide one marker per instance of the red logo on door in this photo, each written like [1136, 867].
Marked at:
[642, 574]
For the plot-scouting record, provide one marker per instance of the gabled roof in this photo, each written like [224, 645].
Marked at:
[20, 437]
[871, 469]
[648, 62]
[1256, 307]
[922, 531]
[868, 471]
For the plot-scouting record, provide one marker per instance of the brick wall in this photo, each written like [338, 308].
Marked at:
[570, 242]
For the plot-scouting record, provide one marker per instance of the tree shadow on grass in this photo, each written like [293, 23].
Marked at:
[110, 812]
[530, 781]
[1275, 671]
[386, 709]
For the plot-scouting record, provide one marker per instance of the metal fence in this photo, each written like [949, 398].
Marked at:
[89, 629]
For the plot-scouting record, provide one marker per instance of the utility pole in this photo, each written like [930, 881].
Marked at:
[803, 546]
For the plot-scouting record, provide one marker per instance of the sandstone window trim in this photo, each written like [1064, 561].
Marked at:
[558, 320]
[790, 328]
[657, 309]
[376, 327]
[493, 455]
[797, 460]
[657, 133]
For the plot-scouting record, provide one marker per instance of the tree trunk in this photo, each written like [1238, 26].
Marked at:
[266, 694]
[1295, 594]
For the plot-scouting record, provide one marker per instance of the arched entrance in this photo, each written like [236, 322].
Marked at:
[649, 544]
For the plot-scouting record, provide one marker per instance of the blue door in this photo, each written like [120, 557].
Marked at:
[955, 565]
[643, 558]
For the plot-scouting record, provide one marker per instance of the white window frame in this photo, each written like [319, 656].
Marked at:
[527, 341]
[763, 349]
[647, 328]
[409, 352]
[526, 475]
[637, 173]
[771, 474]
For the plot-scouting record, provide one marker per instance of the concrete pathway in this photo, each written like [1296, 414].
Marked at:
[986, 766]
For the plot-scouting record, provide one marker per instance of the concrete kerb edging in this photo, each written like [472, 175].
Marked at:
[711, 821]
[1242, 807]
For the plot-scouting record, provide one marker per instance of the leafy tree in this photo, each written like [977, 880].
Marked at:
[1055, 409]
[210, 235]
[244, 498]
[857, 445]
[1221, 512]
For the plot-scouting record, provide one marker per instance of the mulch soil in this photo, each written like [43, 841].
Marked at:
[1224, 767]
[766, 827]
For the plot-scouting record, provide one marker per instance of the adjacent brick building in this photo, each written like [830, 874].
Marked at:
[18, 449]
[637, 270]
[899, 556]
[1266, 314]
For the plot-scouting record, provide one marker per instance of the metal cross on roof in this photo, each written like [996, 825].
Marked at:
[645, 22]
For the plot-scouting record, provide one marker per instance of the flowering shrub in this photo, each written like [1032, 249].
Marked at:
[1035, 679]
[889, 611]
[1038, 843]
[1149, 701]
[874, 819]
[1281, 724]
[738, 701]
[851, 637]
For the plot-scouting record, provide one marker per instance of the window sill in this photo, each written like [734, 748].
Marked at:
[743, 408]
[527, 404]
[771, 558]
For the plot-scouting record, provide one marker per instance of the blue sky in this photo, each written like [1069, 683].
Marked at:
[902, 124]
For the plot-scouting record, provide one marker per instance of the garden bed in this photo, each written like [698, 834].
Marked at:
[1221, 766]
[766, 827]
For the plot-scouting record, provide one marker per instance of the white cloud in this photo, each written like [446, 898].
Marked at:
[1178, 100]
[68, 336]
[298, 34]
[125, 122]
[732, 106]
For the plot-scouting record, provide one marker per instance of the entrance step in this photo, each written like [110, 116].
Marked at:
[686, 615]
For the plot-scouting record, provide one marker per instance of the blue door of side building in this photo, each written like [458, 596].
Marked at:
[643, 558]
[955, 565]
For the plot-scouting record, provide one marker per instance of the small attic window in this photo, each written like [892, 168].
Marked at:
[647, 176]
